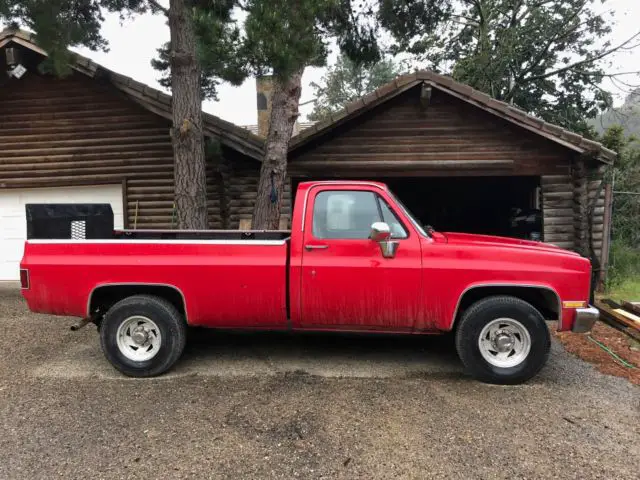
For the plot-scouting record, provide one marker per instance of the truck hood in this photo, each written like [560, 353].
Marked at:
[489, 240]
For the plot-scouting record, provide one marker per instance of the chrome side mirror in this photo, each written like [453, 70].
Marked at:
[380, 232]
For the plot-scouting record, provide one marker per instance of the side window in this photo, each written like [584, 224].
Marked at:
[344, 214]
[390, 218]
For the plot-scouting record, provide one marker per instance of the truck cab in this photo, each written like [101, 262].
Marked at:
[357, 258]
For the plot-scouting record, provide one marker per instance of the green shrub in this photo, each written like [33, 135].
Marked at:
[624, 264]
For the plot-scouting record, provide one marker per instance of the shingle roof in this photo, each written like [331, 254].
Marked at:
[154, 100]
[481, 100]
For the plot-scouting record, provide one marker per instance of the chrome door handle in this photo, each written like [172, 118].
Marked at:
[315, 247]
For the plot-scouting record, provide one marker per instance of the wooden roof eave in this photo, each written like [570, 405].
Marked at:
[160, 104]
[597, 153]
[20, 41]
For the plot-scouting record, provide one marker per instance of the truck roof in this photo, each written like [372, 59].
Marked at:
[309, 184]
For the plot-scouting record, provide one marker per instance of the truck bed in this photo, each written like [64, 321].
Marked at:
[202, 235]
[226, 281]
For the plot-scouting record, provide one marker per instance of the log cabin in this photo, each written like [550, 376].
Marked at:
[458, 159]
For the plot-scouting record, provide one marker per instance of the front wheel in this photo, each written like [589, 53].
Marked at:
[503, 340]
[143, 335]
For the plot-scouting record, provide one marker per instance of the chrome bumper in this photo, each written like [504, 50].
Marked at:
[585, 319]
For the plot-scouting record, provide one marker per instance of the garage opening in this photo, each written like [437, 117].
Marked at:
[505, 206]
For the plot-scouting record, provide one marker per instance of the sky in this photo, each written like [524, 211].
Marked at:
[133, 44]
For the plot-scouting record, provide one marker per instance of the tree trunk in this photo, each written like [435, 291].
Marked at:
[186, 135]
[273, 173]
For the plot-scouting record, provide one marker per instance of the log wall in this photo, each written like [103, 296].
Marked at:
[597, 193]
[559, 210]
[242, 190]
[79, 131]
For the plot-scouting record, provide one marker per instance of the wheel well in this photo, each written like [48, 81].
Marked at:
[104, 297]
[546, 301]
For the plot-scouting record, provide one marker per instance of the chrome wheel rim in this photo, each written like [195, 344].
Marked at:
[139, 338]
[504, 342]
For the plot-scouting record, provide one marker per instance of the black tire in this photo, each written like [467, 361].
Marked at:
[481, 314]
[169, 321]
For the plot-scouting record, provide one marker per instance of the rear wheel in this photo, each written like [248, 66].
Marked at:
[503, 340]
[143, 335]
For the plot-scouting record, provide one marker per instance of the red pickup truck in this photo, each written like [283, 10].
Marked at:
[356, 260]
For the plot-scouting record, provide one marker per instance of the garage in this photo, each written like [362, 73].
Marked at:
[464, 162]
[14, 226]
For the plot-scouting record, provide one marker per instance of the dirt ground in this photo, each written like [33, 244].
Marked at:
[625, 347]
[314, 407]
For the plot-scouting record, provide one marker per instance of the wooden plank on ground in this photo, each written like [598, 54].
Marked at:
[633, 307]
[635, 319]
[612, 311]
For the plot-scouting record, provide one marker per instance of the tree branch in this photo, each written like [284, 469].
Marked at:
[514, 14]
[478, 5]
[532, 8]
[607, 75]
[546, 48]
[586, 61]
[154, 4]
[464, 17]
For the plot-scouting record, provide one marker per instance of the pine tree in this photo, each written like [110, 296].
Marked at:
[282, 38]
[346, 81]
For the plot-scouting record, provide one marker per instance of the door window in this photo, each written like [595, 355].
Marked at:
[344, 214]
[390, 218]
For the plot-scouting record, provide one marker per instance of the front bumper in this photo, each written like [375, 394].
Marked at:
[585, 319]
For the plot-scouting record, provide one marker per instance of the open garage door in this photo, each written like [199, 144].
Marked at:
[13, 224]
[505, 206]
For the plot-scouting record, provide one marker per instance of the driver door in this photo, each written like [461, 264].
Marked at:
[346, 282]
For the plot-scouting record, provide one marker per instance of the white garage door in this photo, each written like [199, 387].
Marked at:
[13, 223]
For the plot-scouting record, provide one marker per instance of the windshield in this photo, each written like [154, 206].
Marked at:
[409, 215]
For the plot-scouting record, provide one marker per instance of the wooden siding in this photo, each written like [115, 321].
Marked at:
[242, 190]
[558, 210]
[450, 137]
[595, 189]
[78, 131]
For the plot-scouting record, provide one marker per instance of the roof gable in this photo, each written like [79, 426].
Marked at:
[230, 135]
[465, 93]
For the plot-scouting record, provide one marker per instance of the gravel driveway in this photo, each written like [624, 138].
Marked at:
[279, 406]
